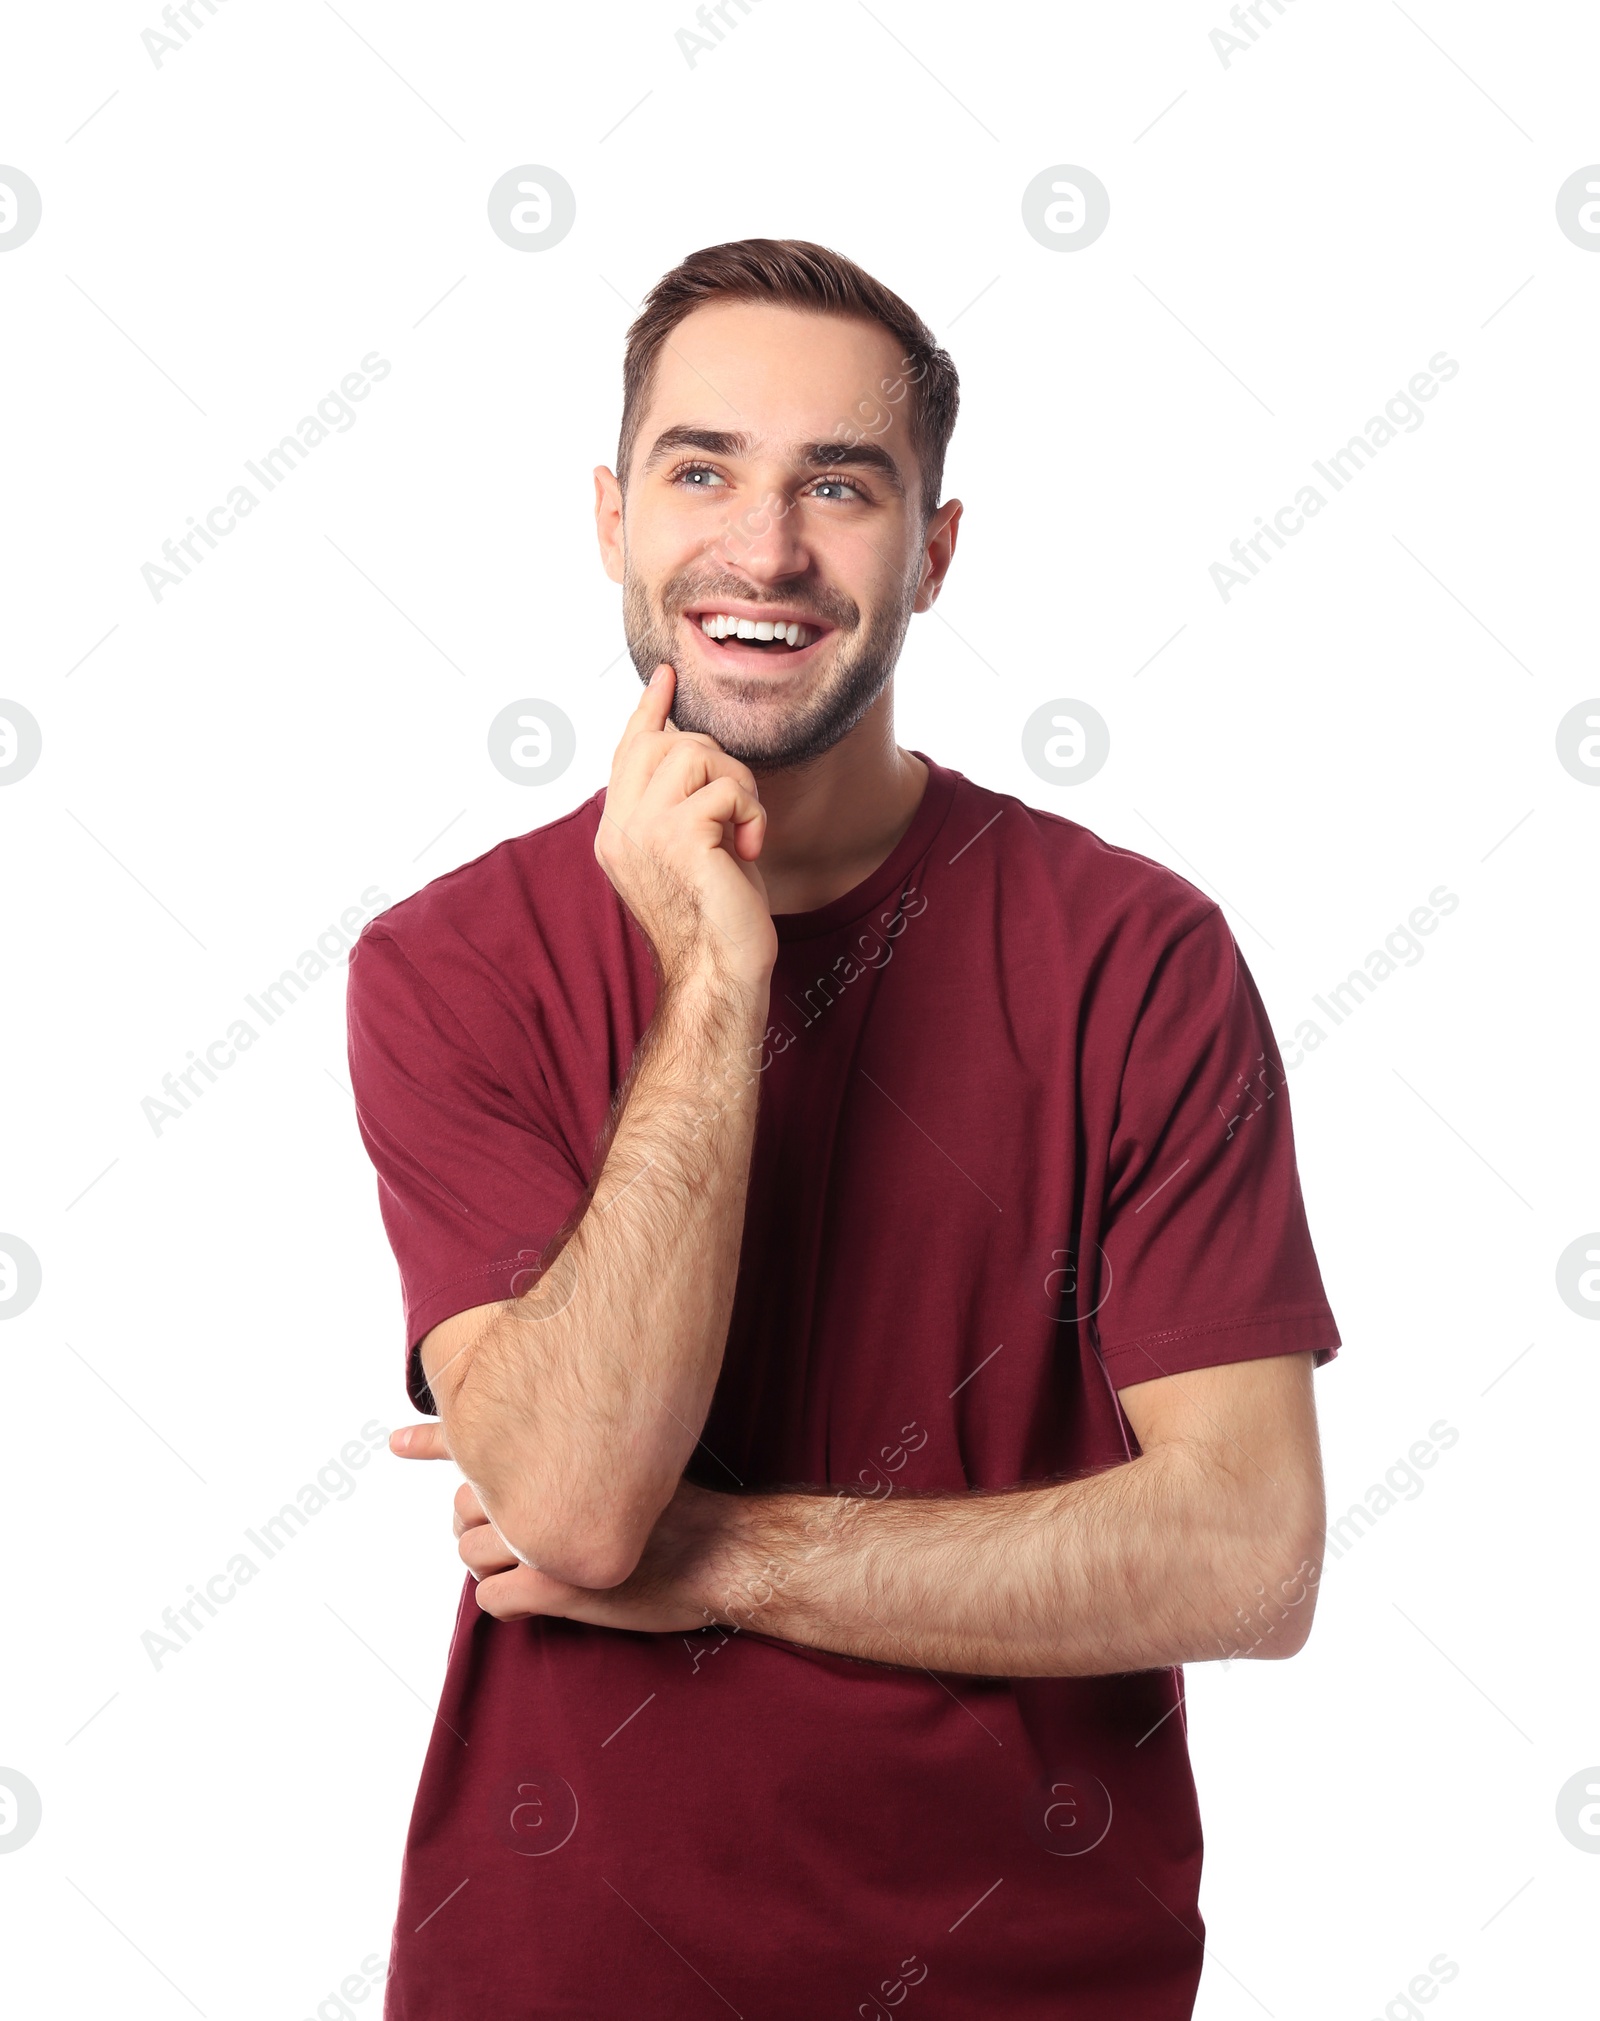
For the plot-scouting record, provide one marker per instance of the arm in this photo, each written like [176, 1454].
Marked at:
[573, 1408]
[1207, 1544]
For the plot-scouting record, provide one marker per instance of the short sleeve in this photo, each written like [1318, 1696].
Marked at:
[473, 1188]
[1210, 1257]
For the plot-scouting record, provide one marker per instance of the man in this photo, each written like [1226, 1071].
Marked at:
[851, 1238]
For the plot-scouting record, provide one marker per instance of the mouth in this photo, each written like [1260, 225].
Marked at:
[750, 637]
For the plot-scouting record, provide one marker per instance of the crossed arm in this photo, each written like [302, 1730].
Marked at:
[1206, 1545]
[573, 1408]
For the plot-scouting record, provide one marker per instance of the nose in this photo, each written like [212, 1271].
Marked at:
[765, 540]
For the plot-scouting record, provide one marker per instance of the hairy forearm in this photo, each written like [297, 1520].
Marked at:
[576, 1410]
[1163, 1560]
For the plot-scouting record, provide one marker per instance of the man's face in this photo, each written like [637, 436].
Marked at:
[773, 482]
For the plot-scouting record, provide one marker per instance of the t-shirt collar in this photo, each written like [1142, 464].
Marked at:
[891, 874]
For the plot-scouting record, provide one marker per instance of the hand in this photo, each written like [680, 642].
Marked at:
[672, 1590]
[679, 836]
[667, 1594]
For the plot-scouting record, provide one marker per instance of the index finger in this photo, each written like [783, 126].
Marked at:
[654, 705]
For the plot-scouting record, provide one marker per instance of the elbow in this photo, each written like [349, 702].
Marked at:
[584, 1533]
[1263, 1591]
[1283, 1606]
[581, 1521]
[1282, 1542]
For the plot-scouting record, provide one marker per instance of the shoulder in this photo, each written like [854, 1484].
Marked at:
[1052, 867]
[526, 883]
[495, 929]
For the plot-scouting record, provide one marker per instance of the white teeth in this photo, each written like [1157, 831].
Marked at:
[723, 625]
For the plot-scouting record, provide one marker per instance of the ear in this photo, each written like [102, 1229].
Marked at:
[938, 552]
[608, 521]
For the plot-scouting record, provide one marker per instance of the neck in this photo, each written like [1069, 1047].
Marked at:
[832, 822]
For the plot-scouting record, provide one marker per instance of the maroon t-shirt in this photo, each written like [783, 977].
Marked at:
[1023, 1139]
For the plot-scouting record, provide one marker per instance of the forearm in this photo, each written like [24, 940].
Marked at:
[1156, 1562]
[577, 1408]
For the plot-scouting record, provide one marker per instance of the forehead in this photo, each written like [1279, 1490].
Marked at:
[780, 375]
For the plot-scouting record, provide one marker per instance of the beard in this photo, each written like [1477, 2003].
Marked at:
[864, 656]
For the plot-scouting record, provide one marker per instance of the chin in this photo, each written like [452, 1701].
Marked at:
[762, 734]
[772, 733]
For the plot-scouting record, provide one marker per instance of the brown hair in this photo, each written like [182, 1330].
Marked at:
[799, 275]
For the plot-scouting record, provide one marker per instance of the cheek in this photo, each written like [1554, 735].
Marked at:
[667, 544]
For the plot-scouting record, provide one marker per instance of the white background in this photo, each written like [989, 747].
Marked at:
[1293, 235]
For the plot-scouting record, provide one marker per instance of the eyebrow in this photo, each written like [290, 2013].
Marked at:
[812, 455]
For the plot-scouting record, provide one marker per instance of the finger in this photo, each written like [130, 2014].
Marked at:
[666, 778]
[646, 736]
[685, 768]
[727, 802]
[483, 1551]
[639, 759]
[654, 705]
[420, 1442]
[646, 742]
[468, 1509]
[513, 1596]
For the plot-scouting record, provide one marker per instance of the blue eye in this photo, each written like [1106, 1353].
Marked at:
[693, 470]
[839, 484]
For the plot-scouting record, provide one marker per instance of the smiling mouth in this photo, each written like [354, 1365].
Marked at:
[737, 635]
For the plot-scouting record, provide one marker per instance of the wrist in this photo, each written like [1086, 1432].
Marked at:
[711, 1007]
[752, 1576]
[716, 970]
